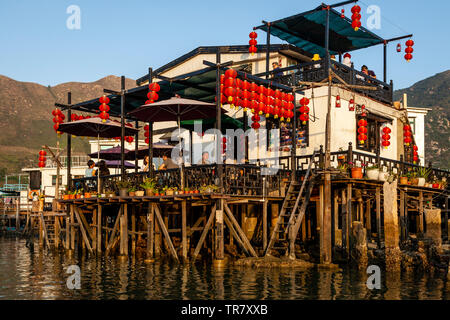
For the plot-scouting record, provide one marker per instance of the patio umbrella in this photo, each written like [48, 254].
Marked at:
[175, 109]
[116, 164]
[113, 153]
[159, 149]
[95, 127]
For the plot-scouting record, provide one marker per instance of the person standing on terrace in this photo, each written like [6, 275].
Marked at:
[276, 70]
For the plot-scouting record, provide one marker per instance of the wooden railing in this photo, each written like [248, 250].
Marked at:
[316, 71]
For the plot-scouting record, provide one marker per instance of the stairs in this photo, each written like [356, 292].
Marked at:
[291, 215]
[49, 227]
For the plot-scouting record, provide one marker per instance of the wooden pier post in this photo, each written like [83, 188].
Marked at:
[420, 216]
[124, 231]
[72, 228]
[378, 215]
[349, 217]
[219, 245]
[184, 231]
[150, 232]
[368, 219]
[67, 244]
[326, 221]
[344, 220]
[133, 230]
[391, 230]
[99, 229]
[433, 223]
[264, 224]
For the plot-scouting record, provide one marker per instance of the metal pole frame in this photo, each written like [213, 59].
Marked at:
[268, 50]
[122, 123]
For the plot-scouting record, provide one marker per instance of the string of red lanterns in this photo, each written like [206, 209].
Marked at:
[409, 50]
[343, 13]
[42, 158]
[147, 134]
[58, 118]
[362, 131]
[356, 17]
[415, 154]
[407, 134]
[230, 86]
[152, 95]
[256, 125]
[304, 110]
[104, 108]
[224, 145]
[252, 42]
[399, 47]
[386, 137]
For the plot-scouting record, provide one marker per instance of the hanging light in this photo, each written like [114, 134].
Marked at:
[58, 118]
[256, 125]
[351, 105]
[343, 13]
[152, 95]
[415, 154]
[252, 42]
[399, 47]
[338, 101]
[147, 134]
[386, 137]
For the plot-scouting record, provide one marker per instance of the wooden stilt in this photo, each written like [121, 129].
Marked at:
[402, 216]
[326, 219]
[349, 217]
[150, 232]
[124, 231]
[67, 247]
[421, 212]
[344, 222]
[183, 230]
[133, 229]
[368, 219]
[99, 229]
[264, 225]
[93, 229]
[204, 232]
[109, 242]
[219, 252]
[335, 218]
[378, 215]
[234, 233]
[72, 228]
[57, 231]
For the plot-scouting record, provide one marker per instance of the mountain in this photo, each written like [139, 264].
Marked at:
[434, 93]
[26, 119]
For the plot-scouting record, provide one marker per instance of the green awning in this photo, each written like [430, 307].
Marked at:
[307, 31]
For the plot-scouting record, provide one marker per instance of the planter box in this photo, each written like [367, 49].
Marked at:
[123, 192]
[403, 180]
[148, 192]
[357, 173]
[373, 174]
[139, 193]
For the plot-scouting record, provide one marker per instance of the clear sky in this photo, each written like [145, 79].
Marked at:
[126, 37]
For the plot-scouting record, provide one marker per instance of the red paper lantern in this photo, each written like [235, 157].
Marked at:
[42, 158]
[362, 130]
[252, 42]
[385, 137]
[104, 108]
[399, 47]
[343, 13]
[58, 118]
[338, 101]
[351, 105]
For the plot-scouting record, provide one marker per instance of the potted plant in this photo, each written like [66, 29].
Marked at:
[343, 168]
[123, 186]
[383, 176]
[373, 172]
[132, 191]
[356, 172]
[71, 195]
[403, 179]
[169, 191]
[66, 196]
[413, 178]
[149, 186]
[422, 176]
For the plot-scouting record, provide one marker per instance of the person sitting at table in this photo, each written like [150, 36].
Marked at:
[145, 169]
[90, 170]
[204, 159]
[167, 164]
[102, 169]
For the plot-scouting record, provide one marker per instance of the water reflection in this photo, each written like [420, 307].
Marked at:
[42, 275]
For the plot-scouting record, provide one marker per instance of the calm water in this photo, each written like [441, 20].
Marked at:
[27, 275]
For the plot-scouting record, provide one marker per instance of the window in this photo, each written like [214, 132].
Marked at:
[374, 124]
[412, 123]
[54, 180]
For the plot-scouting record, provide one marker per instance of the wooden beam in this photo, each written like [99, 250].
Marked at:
[72, 228]
[349, 216]
[219, 243]
[235, 234]
[165, 232]
[110, 241]
[124, 231]
[421, 213]
[239, 230]
[150, 232]
[205, 232]
[133, 229]
[83, 231]
[264, 226]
